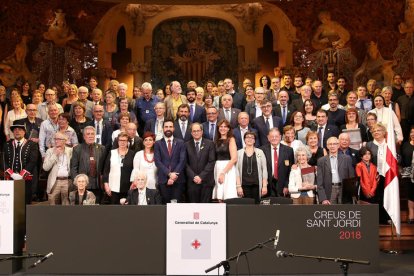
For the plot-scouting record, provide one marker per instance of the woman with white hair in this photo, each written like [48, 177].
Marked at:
[141, 195]
[302, 178]
[81, 196]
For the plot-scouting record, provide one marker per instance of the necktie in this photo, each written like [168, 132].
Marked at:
[228, 115]
[98, 133]
[183, 129]
[169, 147]
[159, 126]
[284, 114]
[197, 147]
[362, 104]
[18, 145]
[275, 161]
[320, 137]
[212, 132]
[191, 112]
[243, 131]
[267, 124]
[92, 162]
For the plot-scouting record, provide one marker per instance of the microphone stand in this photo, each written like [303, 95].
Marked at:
[344, 262]
[226, 264]
[22, 257]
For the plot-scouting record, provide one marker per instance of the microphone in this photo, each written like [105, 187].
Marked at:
[282, 254]
[276, 239]
[47, 256]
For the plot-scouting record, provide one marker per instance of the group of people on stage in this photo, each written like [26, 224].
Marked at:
[284, 138]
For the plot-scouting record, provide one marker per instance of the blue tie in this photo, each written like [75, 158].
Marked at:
[192, 112]
[212, 132]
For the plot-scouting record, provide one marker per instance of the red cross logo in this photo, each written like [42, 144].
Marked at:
[195, 244]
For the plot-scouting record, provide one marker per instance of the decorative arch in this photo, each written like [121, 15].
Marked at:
[141, 20]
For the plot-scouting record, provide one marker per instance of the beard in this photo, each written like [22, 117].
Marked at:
[168, 133]
[183, 118]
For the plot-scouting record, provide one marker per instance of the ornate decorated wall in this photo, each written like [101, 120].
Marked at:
[51, 40]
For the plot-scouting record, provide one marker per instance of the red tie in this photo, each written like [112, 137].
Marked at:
[169, 147]
[275, 160]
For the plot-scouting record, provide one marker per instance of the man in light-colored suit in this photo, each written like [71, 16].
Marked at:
[227, 112]
[173, 101]
[332, 170]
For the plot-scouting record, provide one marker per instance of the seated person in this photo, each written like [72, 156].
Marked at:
[142, 195]
[81, 196]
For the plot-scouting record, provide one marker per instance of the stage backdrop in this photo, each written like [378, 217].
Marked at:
[132, 239]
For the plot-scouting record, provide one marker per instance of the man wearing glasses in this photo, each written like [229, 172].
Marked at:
[266, 122]
[333, 169]
[43, 109]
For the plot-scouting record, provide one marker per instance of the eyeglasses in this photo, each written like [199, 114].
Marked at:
[211, 113]
[59, 139]
[98, 111]
[31, 109]
[196, 131]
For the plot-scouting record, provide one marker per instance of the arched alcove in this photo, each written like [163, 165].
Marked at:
[121, 57]
[266, 55]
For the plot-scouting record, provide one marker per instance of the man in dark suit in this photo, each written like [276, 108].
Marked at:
[227, 112]
[169, 155]
[253, 108]
[103, 128]
[333, 169]
[281, 157]
[283, 110]
[324, 130]
[210, 126]
[201, 158]
[88, 158]
[182, 124]
[155, 125]
[239, 100]
[305, 92]
[197, 112]
[344, 142]
[266, 122]
[243, 127]
[142, 195]
[135, 143]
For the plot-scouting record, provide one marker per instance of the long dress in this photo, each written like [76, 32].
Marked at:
[228, 188]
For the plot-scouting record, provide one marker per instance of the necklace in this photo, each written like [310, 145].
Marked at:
[146, 158]
[249, 170]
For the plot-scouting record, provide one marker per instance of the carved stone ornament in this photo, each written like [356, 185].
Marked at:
[248, 15]
[138, 14]
[408, 25]
[59, 32]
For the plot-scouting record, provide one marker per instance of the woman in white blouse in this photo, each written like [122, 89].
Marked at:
[383, 113]
[144, 161]
[16, 113]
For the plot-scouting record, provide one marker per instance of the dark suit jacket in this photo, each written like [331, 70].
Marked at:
[285, 161]
[324, 175]
[206, 130]
[137, 146]
[166, 163]
[201, 164]
[238, 137]
[80, 161]
[354, 154]
[239, 100]
[260, 125]
[153, 197]
[277, 111]
[29, 127]
[234, 114]
[106, 133]
[251, 110]
[199, 114]
[177, 131]
[330, 131]
[29, 156]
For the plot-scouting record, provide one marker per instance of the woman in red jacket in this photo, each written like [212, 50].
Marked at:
[367, 173]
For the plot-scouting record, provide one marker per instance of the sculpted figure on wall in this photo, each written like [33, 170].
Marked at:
[374, 67]
[59, 32]
[330, 34]
[408, 25]
[14, 66]
[248, 14]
